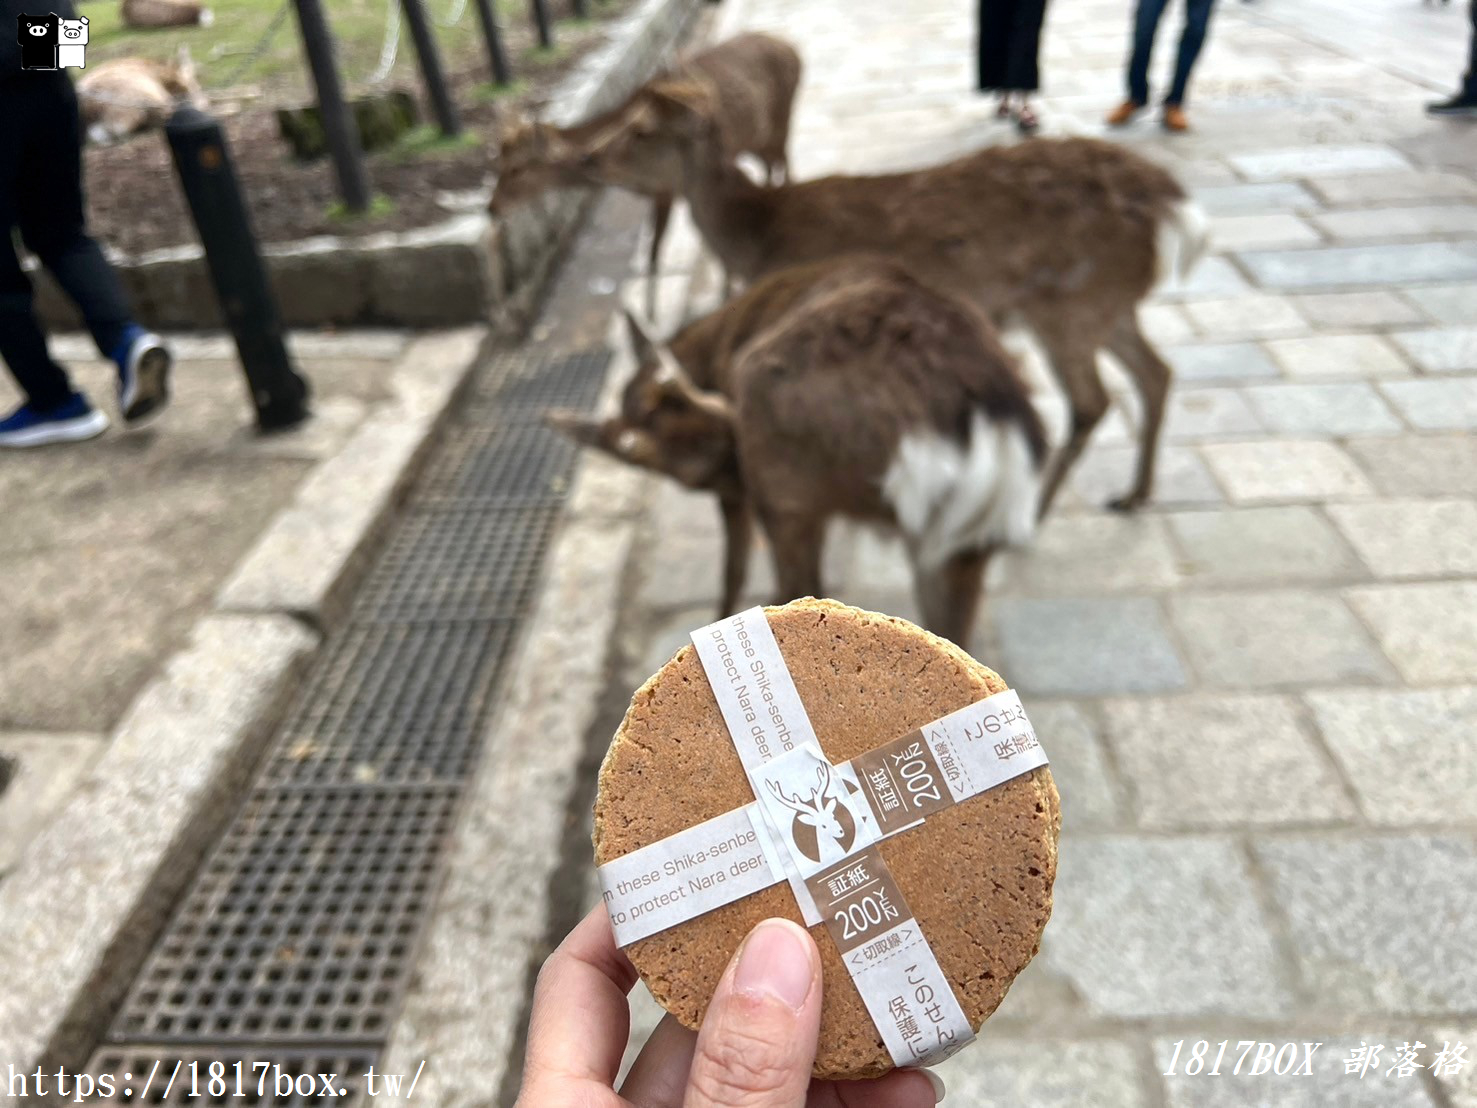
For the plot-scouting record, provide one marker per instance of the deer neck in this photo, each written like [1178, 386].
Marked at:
[731, 211]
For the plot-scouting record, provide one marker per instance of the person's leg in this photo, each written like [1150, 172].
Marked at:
[1192, 38]
[52, 218]
[53, 225]
[22, 342]
[1145, 24]
[1469, 82]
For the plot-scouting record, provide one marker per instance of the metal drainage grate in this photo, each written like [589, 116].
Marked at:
[527, 389]
[201, 1077]
[301, 924]
[519, 462]
[452, 564]
[295, 939]
[393, 704]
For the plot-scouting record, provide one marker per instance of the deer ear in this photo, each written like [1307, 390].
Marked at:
[684, 95]
[581, 428]
[643, 347]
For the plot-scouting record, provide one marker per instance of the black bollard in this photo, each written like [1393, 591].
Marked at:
[425, 48]
[213, 191]
[542, 22]
[497, 55]
[339, 129]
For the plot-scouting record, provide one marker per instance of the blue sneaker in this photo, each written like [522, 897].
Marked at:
[72, 422]
[143, 374]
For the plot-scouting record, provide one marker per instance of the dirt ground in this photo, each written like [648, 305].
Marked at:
[135, 204]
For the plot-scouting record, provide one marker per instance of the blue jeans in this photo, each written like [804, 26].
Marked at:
[1145, 23]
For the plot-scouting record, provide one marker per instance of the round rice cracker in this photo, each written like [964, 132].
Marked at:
[977, 876]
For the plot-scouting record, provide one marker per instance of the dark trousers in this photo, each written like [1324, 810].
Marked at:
[1469, 82]
[41, 196]
[1145, 24]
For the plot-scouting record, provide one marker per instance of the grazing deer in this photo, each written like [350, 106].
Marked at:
[127, 95]
[752, 79]
[841, 388]
[1064, 235]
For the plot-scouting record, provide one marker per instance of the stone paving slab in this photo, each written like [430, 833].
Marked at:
[1405, 753]
[1343, 356]
[1308, 469]
[1335, 266]
[1204, 762]
[1220, 361]
[1435, 405]
[1373, 224]
[1420, 465]
[1338, 310]
[1373, 920]
[1366, 188]
[1154, 928]
[1447, 350]
[1342, 410]
[1412, 538]
[1045, 1074]
[1428, 630]
[1084, 647]
[1446, 303]
[1262, 545]
[1302, 161]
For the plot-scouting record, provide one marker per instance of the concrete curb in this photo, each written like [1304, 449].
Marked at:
[91, 890]
[464, 269]
[308, 559]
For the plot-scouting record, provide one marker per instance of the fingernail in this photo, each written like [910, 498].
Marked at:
[775, 961]
[938, 1085]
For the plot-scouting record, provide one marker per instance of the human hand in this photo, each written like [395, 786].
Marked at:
[755, 1050]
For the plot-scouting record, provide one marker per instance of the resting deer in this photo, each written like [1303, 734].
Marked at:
[752, 80]
[841, 388]
[1064, 235]
[127, 95]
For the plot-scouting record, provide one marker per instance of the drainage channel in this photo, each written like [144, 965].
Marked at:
[290, 953]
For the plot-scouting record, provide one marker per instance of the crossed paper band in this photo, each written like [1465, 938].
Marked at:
[817, 826]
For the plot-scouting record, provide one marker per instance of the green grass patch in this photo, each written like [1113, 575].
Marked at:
[489, 91]
[379, 207]
[427, 141]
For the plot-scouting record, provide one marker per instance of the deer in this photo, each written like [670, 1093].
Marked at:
[1066, 236]
[820, 815]
[841, 388]
[752, 79]
[128, 95]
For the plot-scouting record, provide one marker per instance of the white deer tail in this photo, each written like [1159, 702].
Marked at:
[1181, 241]
[951, 497]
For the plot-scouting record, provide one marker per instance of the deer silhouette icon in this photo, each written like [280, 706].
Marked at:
[822, 828]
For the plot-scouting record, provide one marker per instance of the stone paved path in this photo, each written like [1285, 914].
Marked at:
[1260, 694]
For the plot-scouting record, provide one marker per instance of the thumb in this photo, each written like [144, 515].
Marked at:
[757, 1044]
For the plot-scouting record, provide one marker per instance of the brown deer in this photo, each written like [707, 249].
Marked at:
[127, 95]
[841, 388]
[1064, 235]
[752, 80]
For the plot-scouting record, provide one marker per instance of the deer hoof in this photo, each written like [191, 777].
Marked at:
[1130, 502]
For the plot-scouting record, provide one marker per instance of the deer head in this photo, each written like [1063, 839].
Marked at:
[665, 422]
[819, 812]
[646, 151]
[533, 157]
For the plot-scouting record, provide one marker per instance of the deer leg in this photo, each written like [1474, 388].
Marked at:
[796, 540]
[1075, 367]
[661, 211]
[950, 594]
[1151, 376]
[737, 540]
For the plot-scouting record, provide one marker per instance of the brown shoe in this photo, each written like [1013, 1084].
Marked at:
[1175, 118]
[1123, 113]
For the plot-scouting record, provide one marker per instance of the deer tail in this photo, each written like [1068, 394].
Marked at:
[1182, 239]
[952, 496]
